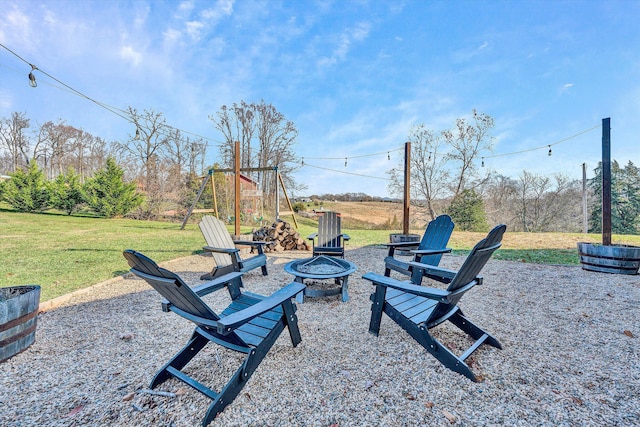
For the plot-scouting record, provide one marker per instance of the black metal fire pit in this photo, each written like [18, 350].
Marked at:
[322, 268]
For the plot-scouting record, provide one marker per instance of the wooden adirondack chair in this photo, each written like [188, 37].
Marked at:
[430, 250]
[224, 251]
[329, 240]
[419, 308]
[251, 324]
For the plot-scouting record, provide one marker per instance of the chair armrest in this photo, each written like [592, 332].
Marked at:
[392, 246]
[431, 251]
[229, 323]
[436, 273]
[216, 284]
[221, 250]
[345, 236]
[257, 243]
[401, 244]
[423, 291]
[200, 321]
[312, 236]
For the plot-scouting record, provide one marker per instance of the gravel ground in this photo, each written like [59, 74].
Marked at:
[570, 357]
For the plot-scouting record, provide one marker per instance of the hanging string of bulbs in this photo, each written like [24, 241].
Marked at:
[549, 153]
[124, 115]
[114, 110]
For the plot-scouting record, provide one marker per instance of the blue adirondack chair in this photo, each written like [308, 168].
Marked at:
[432, 246]
[418, 308]
[329, 240]
[251, 324]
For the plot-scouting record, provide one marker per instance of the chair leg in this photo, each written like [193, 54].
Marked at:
[180, 360]
[376, 309]
[473, 330]
[242, 375]
[291, 321]
[443, 354]
[264, 270]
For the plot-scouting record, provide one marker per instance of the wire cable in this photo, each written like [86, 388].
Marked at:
[346, 173]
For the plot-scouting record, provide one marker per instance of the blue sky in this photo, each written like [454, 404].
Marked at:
[354, 76]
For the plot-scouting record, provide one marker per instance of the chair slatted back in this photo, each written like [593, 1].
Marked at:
[216, 235]
[470, 269]
[329, 230]
[436, 236]
[169, 285]
[477, 258]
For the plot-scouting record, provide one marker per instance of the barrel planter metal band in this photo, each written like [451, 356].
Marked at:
[18, 319]
[617, 259]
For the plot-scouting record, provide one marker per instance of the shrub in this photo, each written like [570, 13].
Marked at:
[66, 193]
[108, 195]
[27, 191]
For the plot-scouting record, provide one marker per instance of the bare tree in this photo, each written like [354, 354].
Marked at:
[543, 204]
[429, 176]
[266, 140]
[466, 141]
[15, 141]
[236, 124]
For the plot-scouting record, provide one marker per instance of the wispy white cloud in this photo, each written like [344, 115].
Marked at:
[344, 41]
[129, 54]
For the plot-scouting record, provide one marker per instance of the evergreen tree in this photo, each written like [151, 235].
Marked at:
[625, 199]
[108, 195]
[467, 212]
[66, 193]
[27, 191]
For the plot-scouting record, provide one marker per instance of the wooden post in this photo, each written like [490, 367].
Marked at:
[286, 196]
[606, 182]
[213, 193]
[585, 227]
[407, 187]
[237, 189]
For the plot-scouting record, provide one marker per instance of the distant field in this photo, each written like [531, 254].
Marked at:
[65, 253]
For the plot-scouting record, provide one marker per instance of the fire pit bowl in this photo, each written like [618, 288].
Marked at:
[322, 267]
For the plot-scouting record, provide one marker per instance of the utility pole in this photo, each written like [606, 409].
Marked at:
[585, 228]
[606, 182]
[407, 187]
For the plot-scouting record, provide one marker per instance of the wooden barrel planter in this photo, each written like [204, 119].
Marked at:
[402, 238]
[18, 317]
[617, 259]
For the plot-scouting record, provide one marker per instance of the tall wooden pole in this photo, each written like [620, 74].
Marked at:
[585, 227]
[407, 187]
[606, 182]
[236, 173]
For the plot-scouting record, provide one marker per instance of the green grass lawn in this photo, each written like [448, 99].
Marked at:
[65, 253]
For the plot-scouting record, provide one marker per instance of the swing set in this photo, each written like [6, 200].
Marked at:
[238, 193]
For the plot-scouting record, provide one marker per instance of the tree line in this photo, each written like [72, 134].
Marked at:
[166, 165]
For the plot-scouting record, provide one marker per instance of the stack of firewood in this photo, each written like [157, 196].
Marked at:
[285, 237]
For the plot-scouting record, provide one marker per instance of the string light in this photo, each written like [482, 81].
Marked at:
[32, 78]
[137, 137]
[429, 159]
[303, 161]
[345, 162]
[549, 150]
[388, 156]
[482, 162]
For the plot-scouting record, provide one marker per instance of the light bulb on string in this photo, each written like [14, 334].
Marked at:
[388, 156]
[303, 161]
[429, 159]
[137, 138]
[482, 162]
[345, 162]
[549, 151]
[32, 77]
